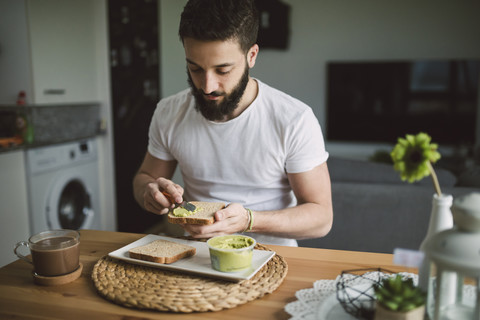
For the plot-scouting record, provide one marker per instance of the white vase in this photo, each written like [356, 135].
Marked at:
[440, 219]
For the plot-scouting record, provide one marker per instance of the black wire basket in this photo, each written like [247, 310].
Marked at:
[355, 291]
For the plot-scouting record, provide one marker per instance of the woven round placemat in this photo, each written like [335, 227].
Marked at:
[144, 287]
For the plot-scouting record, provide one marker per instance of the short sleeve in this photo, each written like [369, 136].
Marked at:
[305, 144]
[157, 137]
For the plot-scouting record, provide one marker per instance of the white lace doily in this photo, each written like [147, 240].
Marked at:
[305, 308]
[310, 300]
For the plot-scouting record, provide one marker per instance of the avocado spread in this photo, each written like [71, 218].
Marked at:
[231, 253]
[231, 242]
[182, 212]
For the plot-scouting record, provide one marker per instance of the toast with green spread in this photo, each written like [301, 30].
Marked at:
[204, 214]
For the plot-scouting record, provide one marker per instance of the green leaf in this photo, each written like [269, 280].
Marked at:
[404, 307]
[390, 305]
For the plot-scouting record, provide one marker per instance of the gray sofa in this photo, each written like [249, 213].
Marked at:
[375, 211]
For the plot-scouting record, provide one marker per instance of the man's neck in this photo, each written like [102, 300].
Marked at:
[249, 95]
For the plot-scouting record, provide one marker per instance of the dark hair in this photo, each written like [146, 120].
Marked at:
[211, 20]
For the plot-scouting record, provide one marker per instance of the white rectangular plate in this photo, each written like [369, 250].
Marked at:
[198, 264]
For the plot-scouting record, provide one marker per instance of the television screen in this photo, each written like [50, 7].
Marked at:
[381, 101]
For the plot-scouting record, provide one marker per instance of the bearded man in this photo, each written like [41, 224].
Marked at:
[236, 139]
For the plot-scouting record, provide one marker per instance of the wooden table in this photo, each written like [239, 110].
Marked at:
[21, 298]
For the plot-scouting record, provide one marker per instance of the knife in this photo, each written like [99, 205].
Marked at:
[185, 204]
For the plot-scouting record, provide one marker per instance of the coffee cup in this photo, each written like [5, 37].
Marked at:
[53, 252]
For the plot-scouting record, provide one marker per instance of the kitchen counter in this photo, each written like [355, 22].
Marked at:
[49, 124]
[21, 298]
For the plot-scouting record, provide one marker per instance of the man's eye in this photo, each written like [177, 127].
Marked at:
[223, 72]
[195, 70]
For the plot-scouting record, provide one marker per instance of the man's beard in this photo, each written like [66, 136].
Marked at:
[214, 111]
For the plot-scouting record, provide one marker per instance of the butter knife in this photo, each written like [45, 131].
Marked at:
[185, 204]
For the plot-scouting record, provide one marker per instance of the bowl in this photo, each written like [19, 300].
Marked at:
[231, 253]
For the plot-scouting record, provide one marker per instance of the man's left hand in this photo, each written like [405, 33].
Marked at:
[232, 219]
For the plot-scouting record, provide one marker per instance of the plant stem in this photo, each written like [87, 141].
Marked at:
[434, 178]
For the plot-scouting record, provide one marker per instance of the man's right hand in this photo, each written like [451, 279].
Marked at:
[155, 201]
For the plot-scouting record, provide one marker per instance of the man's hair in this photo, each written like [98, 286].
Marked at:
[213, 20]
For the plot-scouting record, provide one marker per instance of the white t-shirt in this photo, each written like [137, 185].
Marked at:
[244, 160]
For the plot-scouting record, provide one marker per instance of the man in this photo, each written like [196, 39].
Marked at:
[236, 139]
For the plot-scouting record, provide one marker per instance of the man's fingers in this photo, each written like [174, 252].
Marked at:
[172, 191]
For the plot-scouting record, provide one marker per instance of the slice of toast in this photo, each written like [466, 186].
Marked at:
[204, 215]
[162, 251]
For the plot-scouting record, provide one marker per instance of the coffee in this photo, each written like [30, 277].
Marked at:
[54, 252]
[53, 256]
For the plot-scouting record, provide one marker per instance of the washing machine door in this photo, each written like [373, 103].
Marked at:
[70, 205]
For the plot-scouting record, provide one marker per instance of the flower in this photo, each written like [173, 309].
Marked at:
[413, 157]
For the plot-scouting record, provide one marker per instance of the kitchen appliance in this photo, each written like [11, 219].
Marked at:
[63, 186]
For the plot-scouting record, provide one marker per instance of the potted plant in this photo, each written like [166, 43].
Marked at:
[399, 299]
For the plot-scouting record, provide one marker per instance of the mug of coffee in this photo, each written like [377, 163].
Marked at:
[54, 252]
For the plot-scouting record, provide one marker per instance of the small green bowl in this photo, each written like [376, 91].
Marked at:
[231, 253]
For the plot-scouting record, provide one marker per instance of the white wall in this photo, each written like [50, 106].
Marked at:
[105, 142]
[323, 31]
[173, 77]
[14, 47]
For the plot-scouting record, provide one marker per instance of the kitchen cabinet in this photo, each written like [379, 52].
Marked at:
[62, 44]
[14, 220]
[54, 42]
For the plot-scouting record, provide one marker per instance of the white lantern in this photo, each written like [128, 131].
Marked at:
[455, 257]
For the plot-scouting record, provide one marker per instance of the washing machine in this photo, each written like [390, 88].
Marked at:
[63, 186]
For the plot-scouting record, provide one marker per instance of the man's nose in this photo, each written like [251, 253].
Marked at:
[210, 83]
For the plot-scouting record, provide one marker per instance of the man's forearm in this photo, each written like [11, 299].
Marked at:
[308, 220]
[140, 182]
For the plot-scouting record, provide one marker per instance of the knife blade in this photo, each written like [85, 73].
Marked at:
[185, 204]
[188, 206]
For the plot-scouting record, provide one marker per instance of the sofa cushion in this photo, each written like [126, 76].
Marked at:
[470, 178]
[379, 217]
[350, 170]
